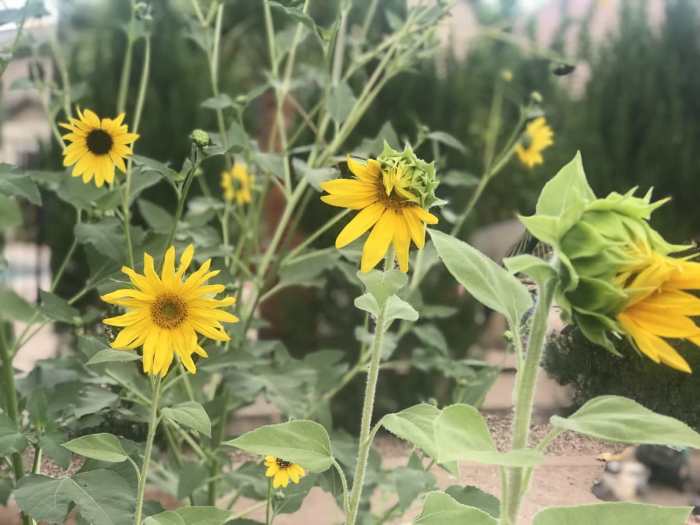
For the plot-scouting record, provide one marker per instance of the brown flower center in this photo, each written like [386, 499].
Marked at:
[283, 464]
[393, 200]
[168, 311]
[99, 142]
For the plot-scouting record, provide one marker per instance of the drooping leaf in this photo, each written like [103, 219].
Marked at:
[441, 509]
[102, 447]
[14, 182]
[616, 418]
[53, 307]
[618, 513]
[14, 307]
[303, 442]
[190, 414]
[415, 425]
[461, 434]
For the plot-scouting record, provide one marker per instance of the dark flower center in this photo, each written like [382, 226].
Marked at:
[168, 311]
[283, 464]
[99, 142]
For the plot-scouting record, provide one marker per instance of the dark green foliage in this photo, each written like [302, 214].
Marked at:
[592, 371]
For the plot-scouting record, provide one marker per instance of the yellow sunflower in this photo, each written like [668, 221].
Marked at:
[282, 471]
[97, 146]
[165, 313]
[660, 306]
[388, 205]
[538, 137]
[237, 184]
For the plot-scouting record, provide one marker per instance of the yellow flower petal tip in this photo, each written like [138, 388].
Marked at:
[237, 184]
[282, 472]
[166, 312]
[538, 137]
[96, 146]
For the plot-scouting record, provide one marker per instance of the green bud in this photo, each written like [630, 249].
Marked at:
[200, 138]
[422, 180]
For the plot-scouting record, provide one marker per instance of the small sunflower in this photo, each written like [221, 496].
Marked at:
[237, 184]
[282, 471]
[97, 146]
[165, 314]
[538, 137]
[390, 206]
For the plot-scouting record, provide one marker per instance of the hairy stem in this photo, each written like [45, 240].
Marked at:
[152, 427]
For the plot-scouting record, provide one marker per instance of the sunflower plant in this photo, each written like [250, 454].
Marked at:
[179, 260]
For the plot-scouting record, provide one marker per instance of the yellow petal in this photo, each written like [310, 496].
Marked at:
[349, 201]
[378, 241]
[368, 171]
[402, 242]
[362, 222]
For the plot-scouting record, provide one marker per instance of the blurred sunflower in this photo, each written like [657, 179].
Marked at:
[393, 194]
[97, 146]
[237, 184]
[165, 314]
[538, 137]
[282, 471]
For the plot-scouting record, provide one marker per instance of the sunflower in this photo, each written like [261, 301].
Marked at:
[659, 306]
[538, 137]
[282, 471]
[97, 146]
[390, 205]
[237, 184]
[165, 314]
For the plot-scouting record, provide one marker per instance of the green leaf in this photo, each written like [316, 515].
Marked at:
[10, 214]
[368, 303]
[58, 309]
[308, 267]
[11, 439]
[102, 496]
[567, 188]
[105, 236]
[441, 509]
[461, 434]
[621, 513]
[50, 443]
[221, 101]
[397, 308]
[14, 307]
[531, 266]
[340, 102]
[110, 355]
[415, 425]
[542, 227]
[190, 516]
[490, 284]
[383, 285]
[315, 176]
[17, 184]
[615, 418]
[191, 415]
[102, 447]
[156, 217]
[303, 442]
[447, 140]
[475, 497]
[192, 476]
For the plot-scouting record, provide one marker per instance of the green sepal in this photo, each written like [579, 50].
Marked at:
[422, 175]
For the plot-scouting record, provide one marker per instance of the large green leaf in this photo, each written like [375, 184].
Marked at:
[622, 513]
[190, 516]
[10, 214]
[11, 439]
[303, 442]
[415, 425]
[441, 509]
[461, 434]
[616, 418]
[15, 308]
[110, 355]
[14, 182]
[567, 188]
[475, 497]
[103, 447]
[191, 415]
[58, 309]
[102, 496]
[490, 284]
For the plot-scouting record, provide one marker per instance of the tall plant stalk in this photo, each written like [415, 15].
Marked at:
[152, 427]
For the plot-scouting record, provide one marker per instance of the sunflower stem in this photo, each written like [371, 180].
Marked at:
[268, 505]
[152, 427]
[366, 424]
[524, 399]
[126, 66]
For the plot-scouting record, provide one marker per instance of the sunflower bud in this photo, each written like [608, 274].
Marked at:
[615, 271]
[200, 138]
[418, 178]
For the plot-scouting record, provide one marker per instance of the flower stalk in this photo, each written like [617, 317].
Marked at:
[152, 427]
